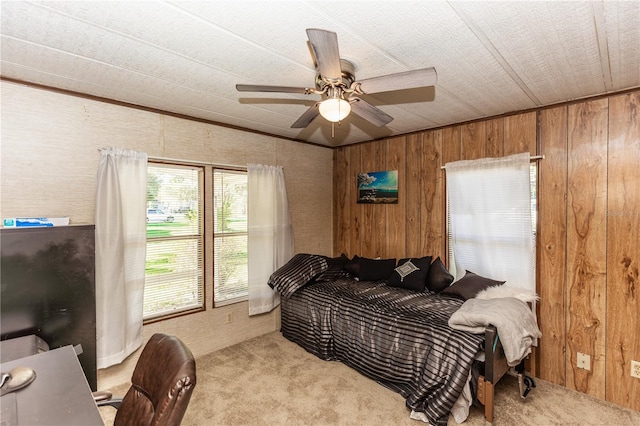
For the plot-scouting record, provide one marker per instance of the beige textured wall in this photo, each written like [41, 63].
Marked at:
[49, 159]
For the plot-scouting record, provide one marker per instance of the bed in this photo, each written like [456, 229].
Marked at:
[386, 329]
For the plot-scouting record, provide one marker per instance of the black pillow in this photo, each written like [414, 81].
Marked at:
[297, 272]
[438, 278]
[335, 270]
[468, 286]
[411, 273]
[353, 266]
[376, 269]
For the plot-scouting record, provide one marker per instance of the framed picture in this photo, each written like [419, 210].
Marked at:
[378, 187]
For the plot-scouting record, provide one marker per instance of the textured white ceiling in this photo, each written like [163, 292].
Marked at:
[186, 57]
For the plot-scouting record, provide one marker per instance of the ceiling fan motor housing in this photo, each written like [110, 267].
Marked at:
[348, 76]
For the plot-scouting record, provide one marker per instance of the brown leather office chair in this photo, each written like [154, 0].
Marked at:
[161, 385]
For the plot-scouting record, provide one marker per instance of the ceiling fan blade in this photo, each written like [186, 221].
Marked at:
[325, 48]
[307, 117]
[282, 89]
[370, 113]
[402, 80]
[313, 55]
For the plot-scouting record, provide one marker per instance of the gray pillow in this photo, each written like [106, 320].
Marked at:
[296, 273]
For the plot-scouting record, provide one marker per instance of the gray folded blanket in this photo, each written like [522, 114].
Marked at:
[512, 318]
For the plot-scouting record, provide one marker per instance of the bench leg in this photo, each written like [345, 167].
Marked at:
[485, 396]
[488, 402]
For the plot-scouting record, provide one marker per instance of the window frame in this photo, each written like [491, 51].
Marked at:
[201, 235]
[533, 188]
[231, 170]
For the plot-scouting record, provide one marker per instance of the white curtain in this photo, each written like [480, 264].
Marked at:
[489, 215]
[270, 233]
[120, 253]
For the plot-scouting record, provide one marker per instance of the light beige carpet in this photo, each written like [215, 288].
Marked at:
[271, 381]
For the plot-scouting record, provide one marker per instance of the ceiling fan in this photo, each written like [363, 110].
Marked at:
[335, 81]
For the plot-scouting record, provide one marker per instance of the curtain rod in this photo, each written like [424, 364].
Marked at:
[199, 163]
[194, 162]
[531, 158]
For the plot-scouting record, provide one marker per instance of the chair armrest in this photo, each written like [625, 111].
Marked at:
[101, 395]
[103, 398]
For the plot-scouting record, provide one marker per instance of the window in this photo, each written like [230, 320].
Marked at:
[174, 276]
[493, 206]
[230, 236]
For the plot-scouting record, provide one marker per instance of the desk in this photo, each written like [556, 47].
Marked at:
[60, 394]
[20, 347]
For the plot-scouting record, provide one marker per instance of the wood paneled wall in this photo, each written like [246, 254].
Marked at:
[588, 237]
[622, 306]
[586, 244]
[551, 243]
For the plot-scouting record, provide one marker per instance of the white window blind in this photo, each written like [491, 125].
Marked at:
[491, 219]
[230, 236]
[174, 277]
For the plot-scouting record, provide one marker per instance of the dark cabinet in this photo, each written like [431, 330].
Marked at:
[47, 280]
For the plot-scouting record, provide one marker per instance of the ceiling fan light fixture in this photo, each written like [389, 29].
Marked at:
[334, 110]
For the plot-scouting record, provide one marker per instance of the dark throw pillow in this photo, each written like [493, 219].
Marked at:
[376, 269]
[411, 273]
[438, 278]
[335, 270]
[297, 272]
[353, 266]
[468, 286]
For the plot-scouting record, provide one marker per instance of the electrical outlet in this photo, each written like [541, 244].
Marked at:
[229, 317]
[584, 361]
[635, 369]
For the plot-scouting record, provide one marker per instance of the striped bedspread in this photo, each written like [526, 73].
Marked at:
[397, 337]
